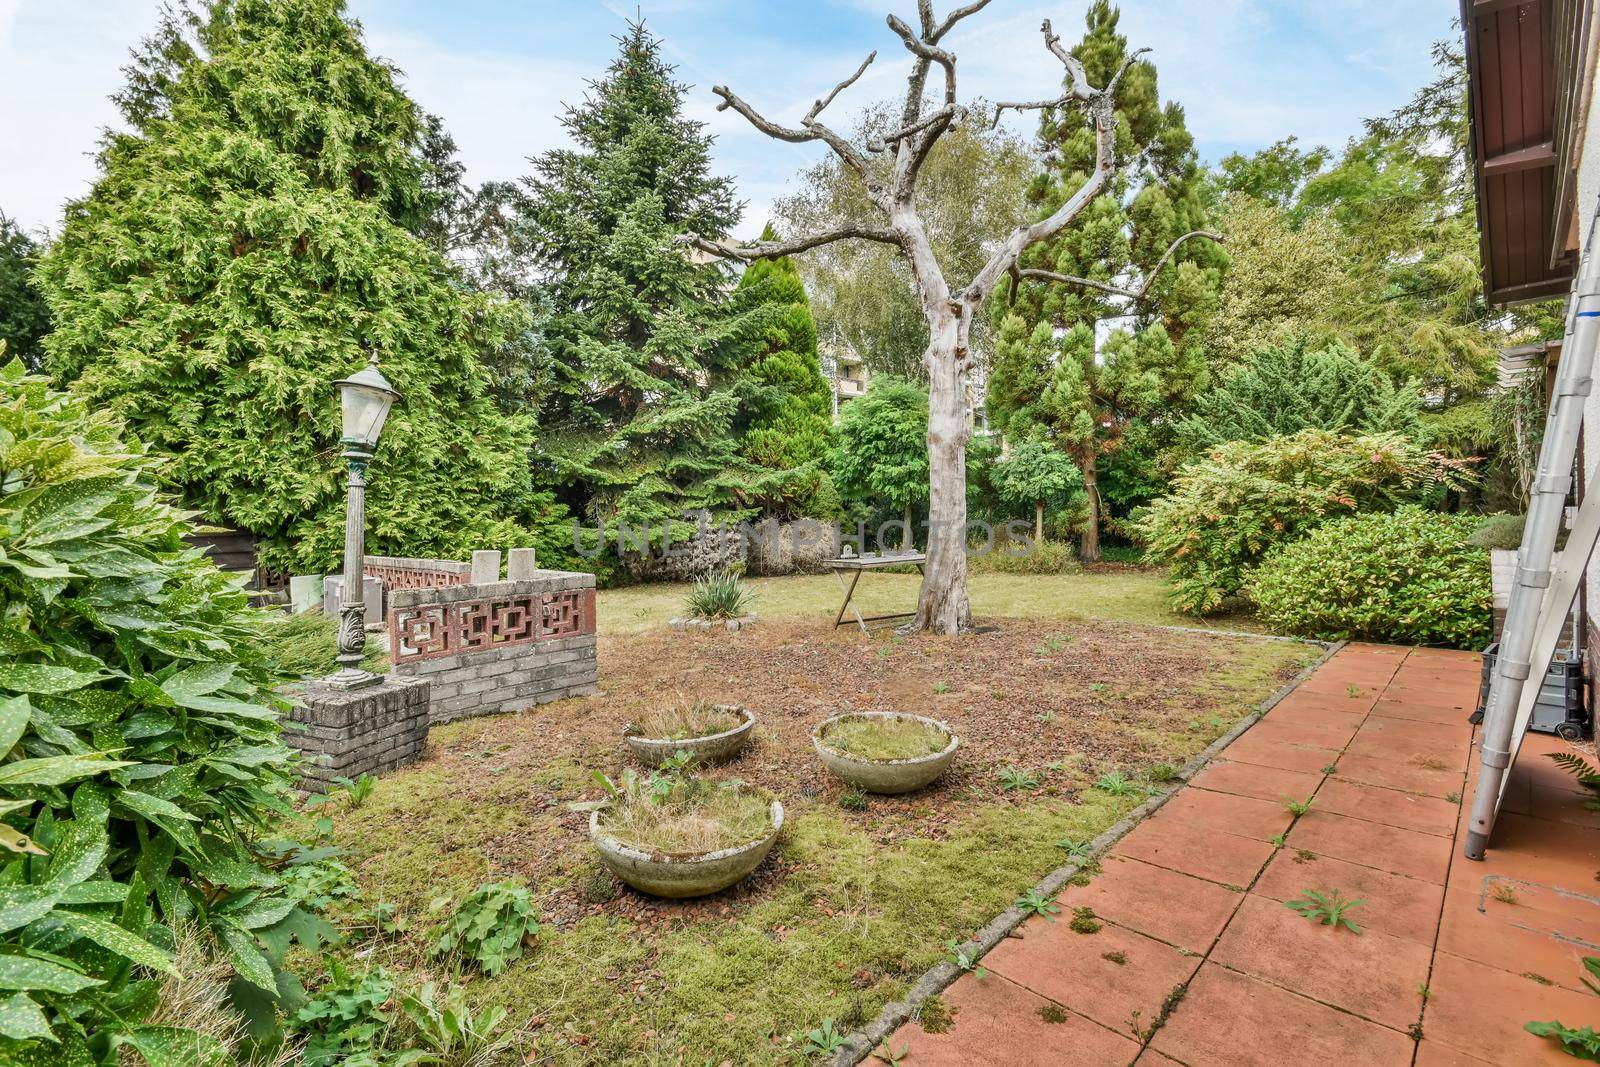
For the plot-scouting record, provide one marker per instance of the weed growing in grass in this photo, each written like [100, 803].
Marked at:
[1049, 645]
[1034, 902]
[1329, 909]
[1052, 1014]
[1084, 921]
[451, 1031]
[963, 958]
[1076, 850]
[941, 687]
[824, 1039]
[1045, 718]
[489, 927]
[1298, 808]
[1098, 687]
[1162, 772]
[1117, 784]
[1013, 778]
[853, 800]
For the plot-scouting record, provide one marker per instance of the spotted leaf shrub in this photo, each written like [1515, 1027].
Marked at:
[140, 751]
[1408, 578]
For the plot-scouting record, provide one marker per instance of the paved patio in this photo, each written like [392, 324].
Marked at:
[1199, 962]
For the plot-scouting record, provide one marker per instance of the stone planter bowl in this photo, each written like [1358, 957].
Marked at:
[885, 776]
[678, 877]
[713, 748]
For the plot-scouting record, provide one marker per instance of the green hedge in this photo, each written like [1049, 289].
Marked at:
[1409, 577]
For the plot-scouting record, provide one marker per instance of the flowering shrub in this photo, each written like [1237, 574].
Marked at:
[1408, 578]
[1230, 509]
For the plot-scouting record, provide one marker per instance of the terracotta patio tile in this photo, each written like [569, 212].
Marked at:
[1258, 749]
[1231, 1020]
[1292, 733]
[1429, 815]
[1250, 780]
[998, 1024]
[1445, 736]
[1562, 805]
[1480, 1011]
[1219, 857]
[1433, 1054]
[1464, 695]
[1519, 936]
[1309, 715]
[1405, 746]
[1245, 816]
[1395, 904]
[1447, 714]
[1340, 687]
[1177, 908]
[1083, 972]
[1372, 974]
[1539, 850]
[1388, 848]
[1410, 776]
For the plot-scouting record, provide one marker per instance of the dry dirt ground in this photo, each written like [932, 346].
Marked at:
[852, 904]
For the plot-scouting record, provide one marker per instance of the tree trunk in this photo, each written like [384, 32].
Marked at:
[1089, 551]
[906, 543]
[943, 607]
[1038, 522]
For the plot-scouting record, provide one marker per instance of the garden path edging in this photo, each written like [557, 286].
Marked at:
[861, 1044]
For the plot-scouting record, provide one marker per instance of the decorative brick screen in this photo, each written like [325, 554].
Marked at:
[500, 646]
[398, 572]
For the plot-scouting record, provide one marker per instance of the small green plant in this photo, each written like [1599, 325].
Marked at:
[1076, 850]
[1045, 718]
[1052, 1014]
[1585, 772]
[1034, 902]
[1297, 808]
[450, 1030]
[1135, 1024]
[1049, 645]
[963, 958]
[1084, 921]
[1353, 689]
[489, 927]
[941, 687]
[719, 596]
[1117, 784]
[355, 792]
[1331, 768]
[888, 1054]
[344, 1017]
[1278, 840]
[1119, 958]
[1013, 778]
[824, 1039]
[1454, 798]
[1329, 909]
[1098, 687]
[1580, 1044]
[853, 800]
[1162, 772]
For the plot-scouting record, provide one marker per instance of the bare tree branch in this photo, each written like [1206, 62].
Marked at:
[956, 16]
[812, 130]
[1073, 279]
[950, 112]
[1032, 105]
[754, 250]
[1080, 86]
[1111, 87]
[1155, 271]
[816, 108]
[928, 53]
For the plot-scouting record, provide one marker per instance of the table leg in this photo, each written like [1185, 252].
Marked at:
[849, 592]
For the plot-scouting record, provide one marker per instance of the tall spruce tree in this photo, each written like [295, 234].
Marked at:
[647, 348]
[248, 242]
[1157, 195]
[790, 418]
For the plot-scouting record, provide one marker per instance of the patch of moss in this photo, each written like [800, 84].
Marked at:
[935, 1015]
[1084, 921]
[1052, 1014]
[1119, 958]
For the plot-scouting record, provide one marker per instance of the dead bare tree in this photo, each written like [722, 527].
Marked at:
[942, 606]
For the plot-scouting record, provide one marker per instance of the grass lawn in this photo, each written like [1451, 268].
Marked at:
[1123, 594]
[852, 905]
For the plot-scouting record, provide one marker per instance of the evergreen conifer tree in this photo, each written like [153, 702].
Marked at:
[790, 420]
[24, 318]
[1156, 197]
[249, 241]
[648, 349]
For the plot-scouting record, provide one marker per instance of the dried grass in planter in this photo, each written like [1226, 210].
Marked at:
[685, 722]
[881, 740]
[698, 816]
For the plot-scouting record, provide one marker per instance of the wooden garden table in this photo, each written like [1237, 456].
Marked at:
[854, 567]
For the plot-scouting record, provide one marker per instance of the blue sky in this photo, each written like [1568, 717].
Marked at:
[1248, 71]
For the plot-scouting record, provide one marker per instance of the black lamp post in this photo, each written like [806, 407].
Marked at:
[365, 399]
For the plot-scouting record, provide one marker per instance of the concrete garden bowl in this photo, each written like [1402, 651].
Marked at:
[683, 876]
[713, 748]
[885, 776]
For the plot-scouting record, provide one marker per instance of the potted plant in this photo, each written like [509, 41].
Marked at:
[885, 751]
[678, 836]
[717, 602]
[710, 733]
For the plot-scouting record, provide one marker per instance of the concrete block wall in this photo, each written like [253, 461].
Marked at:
[497, 646]
[348, 733]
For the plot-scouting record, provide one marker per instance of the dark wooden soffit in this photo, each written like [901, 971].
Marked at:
[1514, 67]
